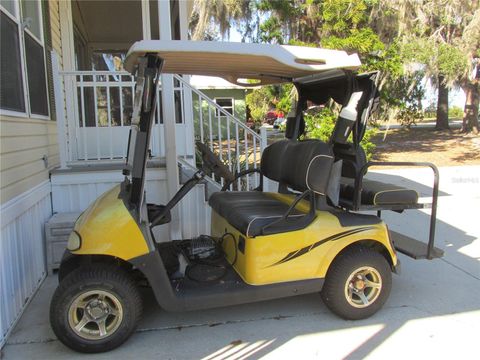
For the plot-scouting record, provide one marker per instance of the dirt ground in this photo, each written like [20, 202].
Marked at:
[443, 148]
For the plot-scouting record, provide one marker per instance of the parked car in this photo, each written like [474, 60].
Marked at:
[270, 117]
[279, 122]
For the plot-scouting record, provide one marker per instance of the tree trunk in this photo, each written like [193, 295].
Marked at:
[442, 105]
[470, 112]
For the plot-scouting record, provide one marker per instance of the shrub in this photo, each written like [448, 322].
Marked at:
[320, 125]
[455, 112]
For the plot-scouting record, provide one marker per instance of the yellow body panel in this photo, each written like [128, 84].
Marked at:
[108, 228]
[295, 255]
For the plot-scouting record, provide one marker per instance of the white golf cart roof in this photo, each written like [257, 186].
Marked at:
[235, 62]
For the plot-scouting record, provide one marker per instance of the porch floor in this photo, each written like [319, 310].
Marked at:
[105, 165]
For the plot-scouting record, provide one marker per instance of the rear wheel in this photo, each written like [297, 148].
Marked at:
[357, 284]
[95, 308]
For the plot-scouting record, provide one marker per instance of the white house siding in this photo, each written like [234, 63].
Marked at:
[74, 191]
[25, 201]
[22, 264]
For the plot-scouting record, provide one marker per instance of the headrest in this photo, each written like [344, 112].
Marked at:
[299, 165]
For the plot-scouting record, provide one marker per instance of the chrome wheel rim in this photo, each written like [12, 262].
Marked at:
[363, 287]
[95, 314]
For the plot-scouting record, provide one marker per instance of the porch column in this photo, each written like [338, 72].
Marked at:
[146, 20]
[68, 59]
[60, 110]
[168, 116]
[184, 15]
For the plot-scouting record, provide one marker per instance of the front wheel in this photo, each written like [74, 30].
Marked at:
[95, 308]
[357, 284]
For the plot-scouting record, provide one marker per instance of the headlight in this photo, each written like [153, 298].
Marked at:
[74, 241]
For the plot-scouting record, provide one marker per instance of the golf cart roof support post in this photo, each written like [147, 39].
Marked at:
[144, 128]
[300, 106]
[357, 198]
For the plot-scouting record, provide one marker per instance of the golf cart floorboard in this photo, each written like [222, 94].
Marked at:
[210, 276]
[230, 289]
[413, 248]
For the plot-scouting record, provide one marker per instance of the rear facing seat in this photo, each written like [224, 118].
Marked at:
[378, 193]
[373, 192]
[300, 166]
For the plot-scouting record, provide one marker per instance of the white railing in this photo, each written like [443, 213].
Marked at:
[237, 146]
[98, 114]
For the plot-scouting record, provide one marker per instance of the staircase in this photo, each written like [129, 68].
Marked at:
[236, 145]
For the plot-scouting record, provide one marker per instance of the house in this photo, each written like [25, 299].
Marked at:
[230, 97]
[65, 112]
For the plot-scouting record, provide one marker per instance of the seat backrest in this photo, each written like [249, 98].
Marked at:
[299, 165]
[353, 158]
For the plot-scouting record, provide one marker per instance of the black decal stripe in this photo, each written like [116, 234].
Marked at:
[294, 254]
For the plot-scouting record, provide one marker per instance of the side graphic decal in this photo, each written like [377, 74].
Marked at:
[295, 254]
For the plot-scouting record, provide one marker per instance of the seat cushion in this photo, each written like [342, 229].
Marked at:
[378, 193]
[250, 211]
[300, 165]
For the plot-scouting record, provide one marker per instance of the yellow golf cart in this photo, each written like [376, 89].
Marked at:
[306, 237]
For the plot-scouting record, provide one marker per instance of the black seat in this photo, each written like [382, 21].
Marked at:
[373, 192]
[378, 193]
[250, 211]
[301, 166]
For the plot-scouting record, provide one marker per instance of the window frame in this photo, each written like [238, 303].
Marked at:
[218, 113]
[17, 18]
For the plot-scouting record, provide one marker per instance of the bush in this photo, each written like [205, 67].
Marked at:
[455, 112]
[320, 126]
[409, 115]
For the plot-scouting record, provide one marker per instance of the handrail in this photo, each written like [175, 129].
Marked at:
[94, 72]
[238, 146]
[217, 107]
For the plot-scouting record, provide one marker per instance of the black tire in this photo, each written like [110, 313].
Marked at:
[346, 282]
[117, 294]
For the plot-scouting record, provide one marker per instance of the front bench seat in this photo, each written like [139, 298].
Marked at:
[250, 211]
[300, 166]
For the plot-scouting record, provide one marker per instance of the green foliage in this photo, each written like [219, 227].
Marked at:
[320, 125]
[341, 16]
[271, 31]
[445, 59]
[258, 102]
[402, 98]
[455, 112]
[367, 143]
[409, 115]
[268, 97]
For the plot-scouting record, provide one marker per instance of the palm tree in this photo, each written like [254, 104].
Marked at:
[220, 13]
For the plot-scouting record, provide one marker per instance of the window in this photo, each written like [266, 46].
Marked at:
[23, 71]
[226, 104]
[12, 96]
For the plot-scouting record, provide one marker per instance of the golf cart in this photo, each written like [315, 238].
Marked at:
[306, 237]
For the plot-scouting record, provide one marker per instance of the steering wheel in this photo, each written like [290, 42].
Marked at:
[213, 163]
